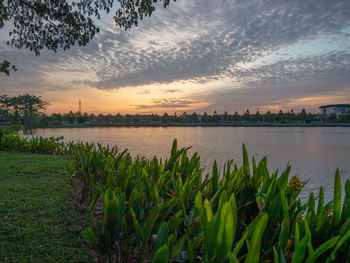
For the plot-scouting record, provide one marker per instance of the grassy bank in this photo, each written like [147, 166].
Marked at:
[38, 222]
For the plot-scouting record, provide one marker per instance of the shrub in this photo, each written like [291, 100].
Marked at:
[169, 211]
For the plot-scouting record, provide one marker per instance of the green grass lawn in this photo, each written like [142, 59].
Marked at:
[38, 222]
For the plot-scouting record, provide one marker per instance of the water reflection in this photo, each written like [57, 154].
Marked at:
[314, 153]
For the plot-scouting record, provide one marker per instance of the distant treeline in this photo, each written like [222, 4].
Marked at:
[192, 118]
[29, 110]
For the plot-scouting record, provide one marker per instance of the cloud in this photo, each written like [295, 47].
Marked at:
[167, 104]
[333, 67]
[145, 92]
[171, 91]
[160, 91]
[205, 40]
[201, 41]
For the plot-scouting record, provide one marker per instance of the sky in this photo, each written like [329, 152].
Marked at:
[198, 55]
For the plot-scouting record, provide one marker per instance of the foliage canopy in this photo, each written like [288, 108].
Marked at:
[51, 24]
[22, 108]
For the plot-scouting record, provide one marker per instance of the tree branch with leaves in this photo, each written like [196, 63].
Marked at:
[52, 24]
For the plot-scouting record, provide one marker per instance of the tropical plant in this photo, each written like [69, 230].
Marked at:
[170, 221]
[153, 210]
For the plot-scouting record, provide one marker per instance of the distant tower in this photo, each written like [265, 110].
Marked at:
[80, 106]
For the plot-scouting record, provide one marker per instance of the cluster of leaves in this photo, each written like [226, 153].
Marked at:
[169, 211]
[10, 140]
[52, 24]
[5, 67]
[163, 211]
[55, 24]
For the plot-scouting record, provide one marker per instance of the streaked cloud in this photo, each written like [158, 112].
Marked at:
[267, 52]
[167, 103]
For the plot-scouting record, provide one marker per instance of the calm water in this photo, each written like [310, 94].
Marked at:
[314, 153]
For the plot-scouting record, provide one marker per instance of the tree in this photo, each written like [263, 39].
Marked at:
[268, 116]
[52, 24]
[4, 107]
[194, 117]
[205, 118]
[24, 108]
[302, 115]
[332, 118]
[236, 117]
[246, 115]
[344, 117]
[165, 118]
[184, 117]
[258, 116]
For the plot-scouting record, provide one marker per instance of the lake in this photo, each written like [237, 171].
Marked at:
[313, 152]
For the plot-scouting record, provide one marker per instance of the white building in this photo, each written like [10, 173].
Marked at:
[337, 109]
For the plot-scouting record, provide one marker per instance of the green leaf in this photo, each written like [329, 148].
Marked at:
[162, 255]
[111, 211]
[179, 188]
[162, 235]
[222, 199]
[165, 208]
[233, 204]
[320, 201]
[284, 204]
[282, 181]
[245, 161]
[346, 206]
[147, 186]
[89, 235]
[337, 199]
[208, 212]
[240, 244]
[148, 226]
[233, 259]
[321, 249]
[197, 240]
[312, 203]
[253, 225]
[215, 177]
[341, 241]
[282, 257]
[300, 245]
[174, 148]
[254, 248]
[175, 221]
[275, 255]
[284, 233]
[177, 247]
[135, 223]
[198, 205]
[225, 235]
[209, 231]
[189, 249]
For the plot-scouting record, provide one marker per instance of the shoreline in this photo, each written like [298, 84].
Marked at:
[286, 125]
[202, 125]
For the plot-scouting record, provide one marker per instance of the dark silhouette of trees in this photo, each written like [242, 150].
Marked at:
[29, 110]
[6, 67]
[54, 24]
[246, 115]
[258, 117]
[22, 108]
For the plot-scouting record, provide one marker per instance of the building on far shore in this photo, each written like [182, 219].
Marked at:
[337, 109]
